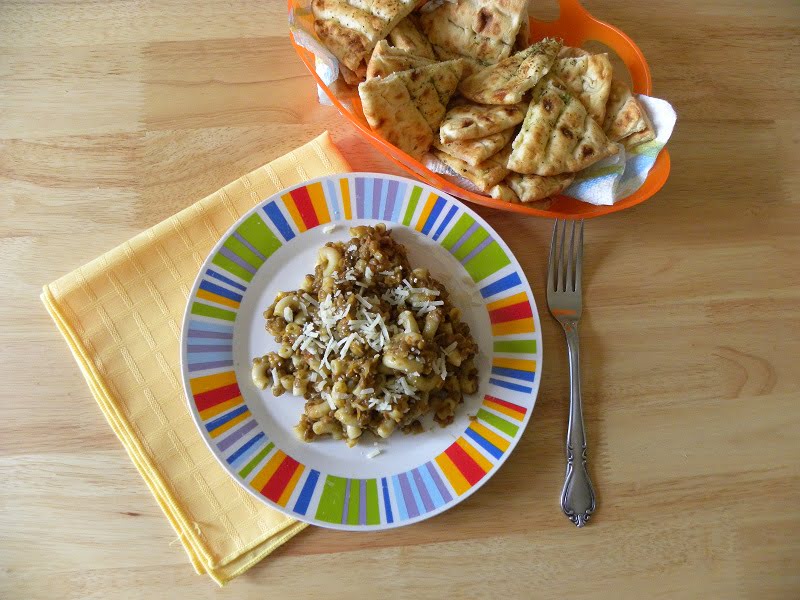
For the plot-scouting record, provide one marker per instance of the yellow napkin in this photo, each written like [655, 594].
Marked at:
[121, 315]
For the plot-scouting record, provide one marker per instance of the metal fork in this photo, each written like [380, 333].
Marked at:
[565, 301]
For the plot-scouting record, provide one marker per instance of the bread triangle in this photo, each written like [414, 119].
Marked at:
[558, 135]
[588, 78]
[406, 108]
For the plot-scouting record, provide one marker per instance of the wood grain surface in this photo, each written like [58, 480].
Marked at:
[114, 115]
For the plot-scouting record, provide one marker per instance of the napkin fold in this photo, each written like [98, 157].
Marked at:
[121, 316]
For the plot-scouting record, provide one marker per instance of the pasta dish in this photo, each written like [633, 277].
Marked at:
[370, 343]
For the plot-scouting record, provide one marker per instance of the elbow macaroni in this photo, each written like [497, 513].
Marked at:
[370, 344]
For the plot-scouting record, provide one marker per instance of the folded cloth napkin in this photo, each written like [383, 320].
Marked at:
[121, 316]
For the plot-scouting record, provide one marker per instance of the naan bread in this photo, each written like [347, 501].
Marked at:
[470, 121]
[471, 65]
[482, 29]
[407, 36]
[351, 31]
[406, 108]
[523, 39]
[588, 78]
[624, 113]
[507, 81]
[353, 77]
[648, 134]
[557, 136]
[572, 52]
[530, 188]
[485, 175]
[474, 152]
[387, 60]
[502, 192]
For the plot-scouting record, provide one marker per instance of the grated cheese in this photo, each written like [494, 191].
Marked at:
[329, 228]
[288, 315]
[375, 453]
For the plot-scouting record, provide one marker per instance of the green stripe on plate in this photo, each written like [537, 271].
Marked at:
[459, 229]
[474, 240]
[214, 312]
[242, 251]
[331, 502]
[352, 504]
[255, 231]
[412, 205]
[373, 512]
[497, 422]
[231, 267]
[489, 260]
[256, 459]
[516, 346]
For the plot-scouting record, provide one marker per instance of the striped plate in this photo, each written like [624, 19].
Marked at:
[325, 482]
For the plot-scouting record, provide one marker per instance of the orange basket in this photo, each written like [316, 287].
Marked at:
[576, 27]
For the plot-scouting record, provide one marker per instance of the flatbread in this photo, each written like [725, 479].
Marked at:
[523, 39]
[474, 152]
[624, 113]
[507, 81]
[471, 65]
[483, 29]
[406, 108]
[572, 52]
[588, 78]
[386, 60]
[353, 77]
[502, 192]
[648, 134]
[530, 188]
[471, 121]
[557, 136]
[351, 31]
[407, 36]
[485, 175]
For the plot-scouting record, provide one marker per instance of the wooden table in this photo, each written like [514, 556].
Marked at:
[114, 115]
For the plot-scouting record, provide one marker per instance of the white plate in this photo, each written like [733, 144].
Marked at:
[325, 482]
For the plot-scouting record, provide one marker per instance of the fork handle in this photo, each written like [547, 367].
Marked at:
[577, 497]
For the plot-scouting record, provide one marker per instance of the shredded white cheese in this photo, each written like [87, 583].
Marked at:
[288, 315]
[374, 453]
[329, 228]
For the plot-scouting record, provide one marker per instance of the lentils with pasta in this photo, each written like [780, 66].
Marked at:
[370, 343]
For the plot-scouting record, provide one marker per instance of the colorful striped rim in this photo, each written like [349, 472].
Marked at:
[240, 443]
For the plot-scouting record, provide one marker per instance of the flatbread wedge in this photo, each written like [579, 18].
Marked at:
[485, 175]
[589, 79]
[507, 81]
[351, 31]
[471, 121]
[530, 188]
[572, 52]
[557, 136]
[353, 77]
[648, 134]
[503, 192]
[483, 29]
[624, 113]
[407, 36]
[386, 60]
[471, 65]
[406, 108]
[473, 152]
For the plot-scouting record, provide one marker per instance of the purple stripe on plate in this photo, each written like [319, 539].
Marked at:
[472, 229]
[391, 198]
[360, 197]
[231, 255]
[408, 496]
[439, 484]
[249, 246]
[362, 502]
[210, 365]
[211, 335]
[346, 501]
[229, 441]
[478, 249]
[191, 348]
[423, 492]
